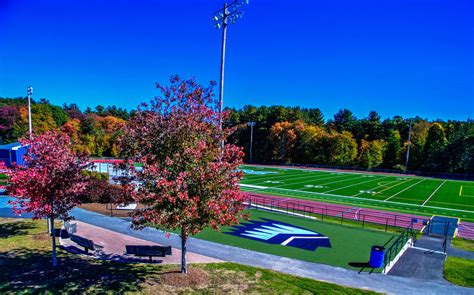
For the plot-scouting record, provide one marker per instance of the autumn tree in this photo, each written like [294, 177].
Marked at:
[8, 116]
[189, 179]
[434, 147]
[371, 153]
[51, 182]
[392, 150]
[283, 137]
[344, 120]
[342, 148]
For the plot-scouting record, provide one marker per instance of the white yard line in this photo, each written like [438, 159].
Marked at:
[253, 186]
[342, 180]
[308, 180]
[433, 193]
[396, 194]
[383, 185]
[291, 177]
[359, 183]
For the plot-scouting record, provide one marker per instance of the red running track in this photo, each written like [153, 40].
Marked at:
[466, 230]
[334, 210]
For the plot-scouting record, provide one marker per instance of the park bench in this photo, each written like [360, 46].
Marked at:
[85, 243]
[150, 251]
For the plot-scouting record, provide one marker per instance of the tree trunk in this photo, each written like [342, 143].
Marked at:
[184, 238]
[53, 237]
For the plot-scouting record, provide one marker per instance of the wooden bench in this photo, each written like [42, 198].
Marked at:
[150, 251]
[86, 243]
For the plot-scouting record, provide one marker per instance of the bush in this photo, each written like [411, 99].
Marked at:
[97, 175]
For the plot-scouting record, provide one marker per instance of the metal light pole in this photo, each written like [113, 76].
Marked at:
[230, 13]
[408, 147]
[29, 90]
[251, 124]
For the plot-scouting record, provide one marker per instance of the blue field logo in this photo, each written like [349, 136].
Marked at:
[275, 232]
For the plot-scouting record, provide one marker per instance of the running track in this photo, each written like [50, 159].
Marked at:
[465, 230]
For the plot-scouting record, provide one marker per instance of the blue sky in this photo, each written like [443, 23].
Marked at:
[398, 57]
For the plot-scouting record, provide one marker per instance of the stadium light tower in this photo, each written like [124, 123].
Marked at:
[29, 90]
[222, 17]
[251, 124]
[408, 147]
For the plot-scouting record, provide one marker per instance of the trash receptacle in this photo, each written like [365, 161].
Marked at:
[377, 254]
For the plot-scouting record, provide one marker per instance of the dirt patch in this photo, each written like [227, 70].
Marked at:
[40, 237]
[195, 278]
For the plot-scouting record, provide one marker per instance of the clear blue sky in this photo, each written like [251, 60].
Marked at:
[398, 57]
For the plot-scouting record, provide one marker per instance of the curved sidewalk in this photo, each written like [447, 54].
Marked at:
[376, 282]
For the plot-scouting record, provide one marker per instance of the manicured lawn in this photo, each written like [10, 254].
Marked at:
[25, 268]
[349, 245]
[463, 244]
[459, 271]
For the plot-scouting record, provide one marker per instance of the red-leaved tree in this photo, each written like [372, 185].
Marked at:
[189, 180]
[51, 181]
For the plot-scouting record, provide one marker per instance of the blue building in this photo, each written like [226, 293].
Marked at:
[12, 153]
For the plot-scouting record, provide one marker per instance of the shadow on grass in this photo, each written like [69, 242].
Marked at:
[14, 229]
[24, 270]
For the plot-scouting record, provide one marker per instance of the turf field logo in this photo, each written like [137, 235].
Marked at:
[275, 232]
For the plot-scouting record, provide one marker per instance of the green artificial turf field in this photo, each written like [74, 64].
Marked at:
[348, 244]
[426, 196]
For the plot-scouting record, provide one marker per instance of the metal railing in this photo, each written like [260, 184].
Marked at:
[354, 216]
[397, 245]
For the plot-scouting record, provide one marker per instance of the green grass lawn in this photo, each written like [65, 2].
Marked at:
[25, 258]
[348, 244]
[424, 196]
[459, 271]
[463, 244]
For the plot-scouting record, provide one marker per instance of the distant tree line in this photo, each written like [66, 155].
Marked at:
[302, 135]
[281, 134]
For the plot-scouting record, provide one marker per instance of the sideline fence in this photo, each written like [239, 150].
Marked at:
[322, 211]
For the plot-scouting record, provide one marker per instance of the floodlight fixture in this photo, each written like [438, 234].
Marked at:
[229, 13]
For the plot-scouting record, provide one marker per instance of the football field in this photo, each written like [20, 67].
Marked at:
[425, 196]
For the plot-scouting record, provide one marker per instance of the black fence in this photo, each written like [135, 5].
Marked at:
[392, 251]
[353, 216]
[456, 176]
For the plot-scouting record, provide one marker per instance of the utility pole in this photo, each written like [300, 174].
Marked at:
[408, 147]
[29, 90]
[251, 124]
[230, 13]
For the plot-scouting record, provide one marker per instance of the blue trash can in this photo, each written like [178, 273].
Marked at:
[377, 254]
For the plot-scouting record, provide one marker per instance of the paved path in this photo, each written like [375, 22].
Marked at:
[113, 244]
[377, 282]
[424, 261]
[453, 251]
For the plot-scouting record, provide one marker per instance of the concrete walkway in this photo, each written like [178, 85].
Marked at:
[113, 246]
[453, 251]
[376, 282]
